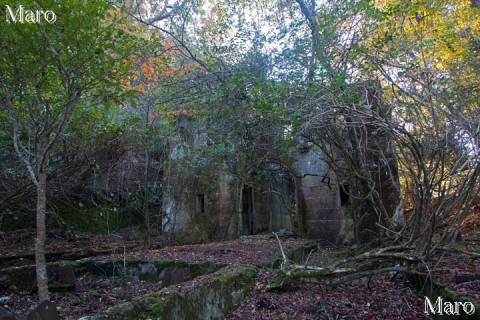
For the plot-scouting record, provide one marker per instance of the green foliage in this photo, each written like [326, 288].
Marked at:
[81, 51]
[248, 71]
[71, 70]
[49, 70]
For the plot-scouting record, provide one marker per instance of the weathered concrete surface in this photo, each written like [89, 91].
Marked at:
[60, 278]
[29, 259]
[23, 278]
[47, 310]
[292, 190]
[321, 209]
[210, 298]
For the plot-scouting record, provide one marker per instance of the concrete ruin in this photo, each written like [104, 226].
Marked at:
[294, 192]
[261, 181]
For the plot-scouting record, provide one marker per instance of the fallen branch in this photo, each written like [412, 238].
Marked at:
[396, 259]
[331, 277]
[284, 257]
[456, 250]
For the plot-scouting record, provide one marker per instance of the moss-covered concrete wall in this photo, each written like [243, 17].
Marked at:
[209, 298]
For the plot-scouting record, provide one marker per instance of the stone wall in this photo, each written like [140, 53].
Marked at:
[319, 196]
[296, 193]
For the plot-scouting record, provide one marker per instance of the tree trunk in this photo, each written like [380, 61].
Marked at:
[40, 263]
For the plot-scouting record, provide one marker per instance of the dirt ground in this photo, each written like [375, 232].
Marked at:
[378, 297]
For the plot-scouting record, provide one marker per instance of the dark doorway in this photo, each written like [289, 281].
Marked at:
[247, 210]
[269, 201]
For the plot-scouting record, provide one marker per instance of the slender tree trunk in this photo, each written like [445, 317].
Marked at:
[40, 263]
[146, 209]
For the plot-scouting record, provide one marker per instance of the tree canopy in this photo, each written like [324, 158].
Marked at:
[388, 90]
[50, 71]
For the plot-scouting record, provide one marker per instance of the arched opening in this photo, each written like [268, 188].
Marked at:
[268, 199]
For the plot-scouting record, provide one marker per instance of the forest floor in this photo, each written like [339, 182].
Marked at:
[378, 297]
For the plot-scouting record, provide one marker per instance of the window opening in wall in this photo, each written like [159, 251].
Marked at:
[345, 195]
[200, 203]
